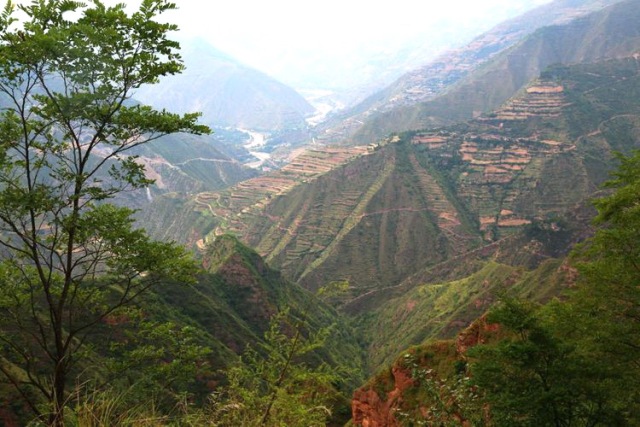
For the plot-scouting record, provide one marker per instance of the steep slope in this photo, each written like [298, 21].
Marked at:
[368, 222]
[609, 33]
[226, 310]
[235, 300]
[192, 219]
[439, 310]
[435, 77]
[184, 164]
[593, 105]
[399, 392]
[227, 93]
[429, 197]
[391, 217]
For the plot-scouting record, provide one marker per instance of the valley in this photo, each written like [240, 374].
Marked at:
[427, 227]
[464, 187]
[458, 248]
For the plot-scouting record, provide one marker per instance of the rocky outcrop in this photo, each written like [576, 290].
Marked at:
[370, 409]
[378, 403]
[479, 332]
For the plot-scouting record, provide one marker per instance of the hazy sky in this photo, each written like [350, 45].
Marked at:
[291, 38]
[301, 23]
[247, 28]
[288, 38]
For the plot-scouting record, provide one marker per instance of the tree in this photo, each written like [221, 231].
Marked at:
[606, 303]
[69, 257]
[276, 386]
[538, 376]
[576, 361]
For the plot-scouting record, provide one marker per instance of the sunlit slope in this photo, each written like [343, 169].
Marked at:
[610, 33]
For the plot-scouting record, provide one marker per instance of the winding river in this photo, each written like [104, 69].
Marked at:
[255, 142]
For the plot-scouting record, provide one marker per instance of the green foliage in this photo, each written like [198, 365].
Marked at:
[275, 385]
[438, 310]
[575, 362]
[451, 401]
[607, 302]
[148, 377]
[153, 358]
[70, 260]
[537, 377]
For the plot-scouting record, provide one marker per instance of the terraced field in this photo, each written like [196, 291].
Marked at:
[375, 216]
[543, 99]
[235, 207]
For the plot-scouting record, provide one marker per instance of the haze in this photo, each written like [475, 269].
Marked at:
[336, 44]
[299, 42]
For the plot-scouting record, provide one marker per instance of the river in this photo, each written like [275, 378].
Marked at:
[255, 142]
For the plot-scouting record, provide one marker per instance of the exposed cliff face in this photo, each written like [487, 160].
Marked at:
[479, 332]
[369, 409]
[382, 402]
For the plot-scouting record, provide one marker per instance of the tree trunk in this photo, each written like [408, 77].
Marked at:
[56, 419]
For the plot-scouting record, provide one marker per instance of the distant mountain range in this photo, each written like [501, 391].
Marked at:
[481, 184]
[376, 216]
[609, 33]
[399, 106]
[227, 93]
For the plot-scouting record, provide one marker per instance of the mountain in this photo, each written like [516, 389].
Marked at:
[226, 310]
[487, 71]
[192, 220]
[428, 226]
[430, 200]
[183, 163]
[227, 93]
[415, 326]
[239, 294]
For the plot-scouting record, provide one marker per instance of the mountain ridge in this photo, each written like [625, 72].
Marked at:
[227, 93]
[424, 197]
[596, 36]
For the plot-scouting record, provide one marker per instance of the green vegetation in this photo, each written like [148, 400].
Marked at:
[421, 236]
[438, 310]
[71, 259]
[100, 322]
[279, 388]
[570, 362]
[539, 376]
[412, 204]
